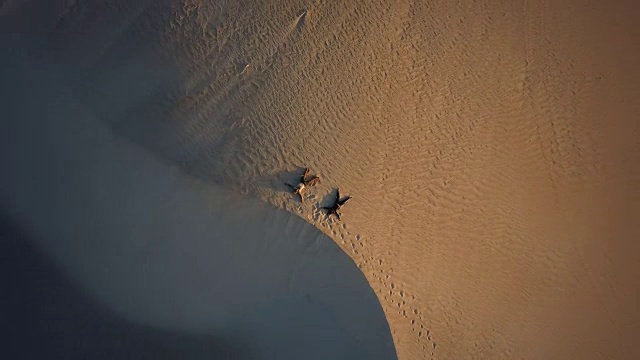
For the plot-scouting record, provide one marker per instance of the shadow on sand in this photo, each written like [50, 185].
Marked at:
[191, 269]
[48, 317]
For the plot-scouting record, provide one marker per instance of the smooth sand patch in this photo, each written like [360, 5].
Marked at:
[491, 148]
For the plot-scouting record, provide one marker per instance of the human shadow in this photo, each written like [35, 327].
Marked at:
[332, 203]
[284, 180]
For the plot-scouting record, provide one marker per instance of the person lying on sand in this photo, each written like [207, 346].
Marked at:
[333, 209]
[304, 182]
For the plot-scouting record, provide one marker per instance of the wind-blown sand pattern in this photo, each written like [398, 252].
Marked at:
[491, 148]
[164, 251]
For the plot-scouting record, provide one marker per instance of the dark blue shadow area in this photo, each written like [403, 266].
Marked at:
[45, 316]
[192, 270]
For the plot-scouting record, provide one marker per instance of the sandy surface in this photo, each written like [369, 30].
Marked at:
[491, 147]
[153, 251]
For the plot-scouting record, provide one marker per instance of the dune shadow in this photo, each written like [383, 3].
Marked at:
[183, 263]
[47, 316]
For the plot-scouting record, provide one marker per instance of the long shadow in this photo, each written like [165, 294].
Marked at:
[277, 179]
[46, 316]
[158, 248]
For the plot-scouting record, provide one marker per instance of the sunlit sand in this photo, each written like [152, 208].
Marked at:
[490, 149]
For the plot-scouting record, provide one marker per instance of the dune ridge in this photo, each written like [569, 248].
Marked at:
[147, 250]
[490, 147]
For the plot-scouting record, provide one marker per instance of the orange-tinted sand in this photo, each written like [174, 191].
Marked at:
[492, 148]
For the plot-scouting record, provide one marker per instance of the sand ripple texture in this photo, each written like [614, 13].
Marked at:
[491, 147]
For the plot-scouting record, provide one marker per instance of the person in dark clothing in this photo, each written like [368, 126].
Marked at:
[333, 209]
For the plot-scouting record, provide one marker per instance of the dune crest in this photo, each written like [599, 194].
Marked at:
[490, 147]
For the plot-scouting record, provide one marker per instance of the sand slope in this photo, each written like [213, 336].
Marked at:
[150, 251]
[491, 147]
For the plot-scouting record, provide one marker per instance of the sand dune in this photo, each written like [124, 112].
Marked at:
[169, 252]
[491, 147]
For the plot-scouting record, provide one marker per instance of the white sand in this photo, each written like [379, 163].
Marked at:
[492, 149]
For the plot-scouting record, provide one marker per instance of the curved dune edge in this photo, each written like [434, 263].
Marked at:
[491, 147]
[168, 251]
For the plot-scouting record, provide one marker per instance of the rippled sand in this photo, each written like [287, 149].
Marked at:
[491, 148]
